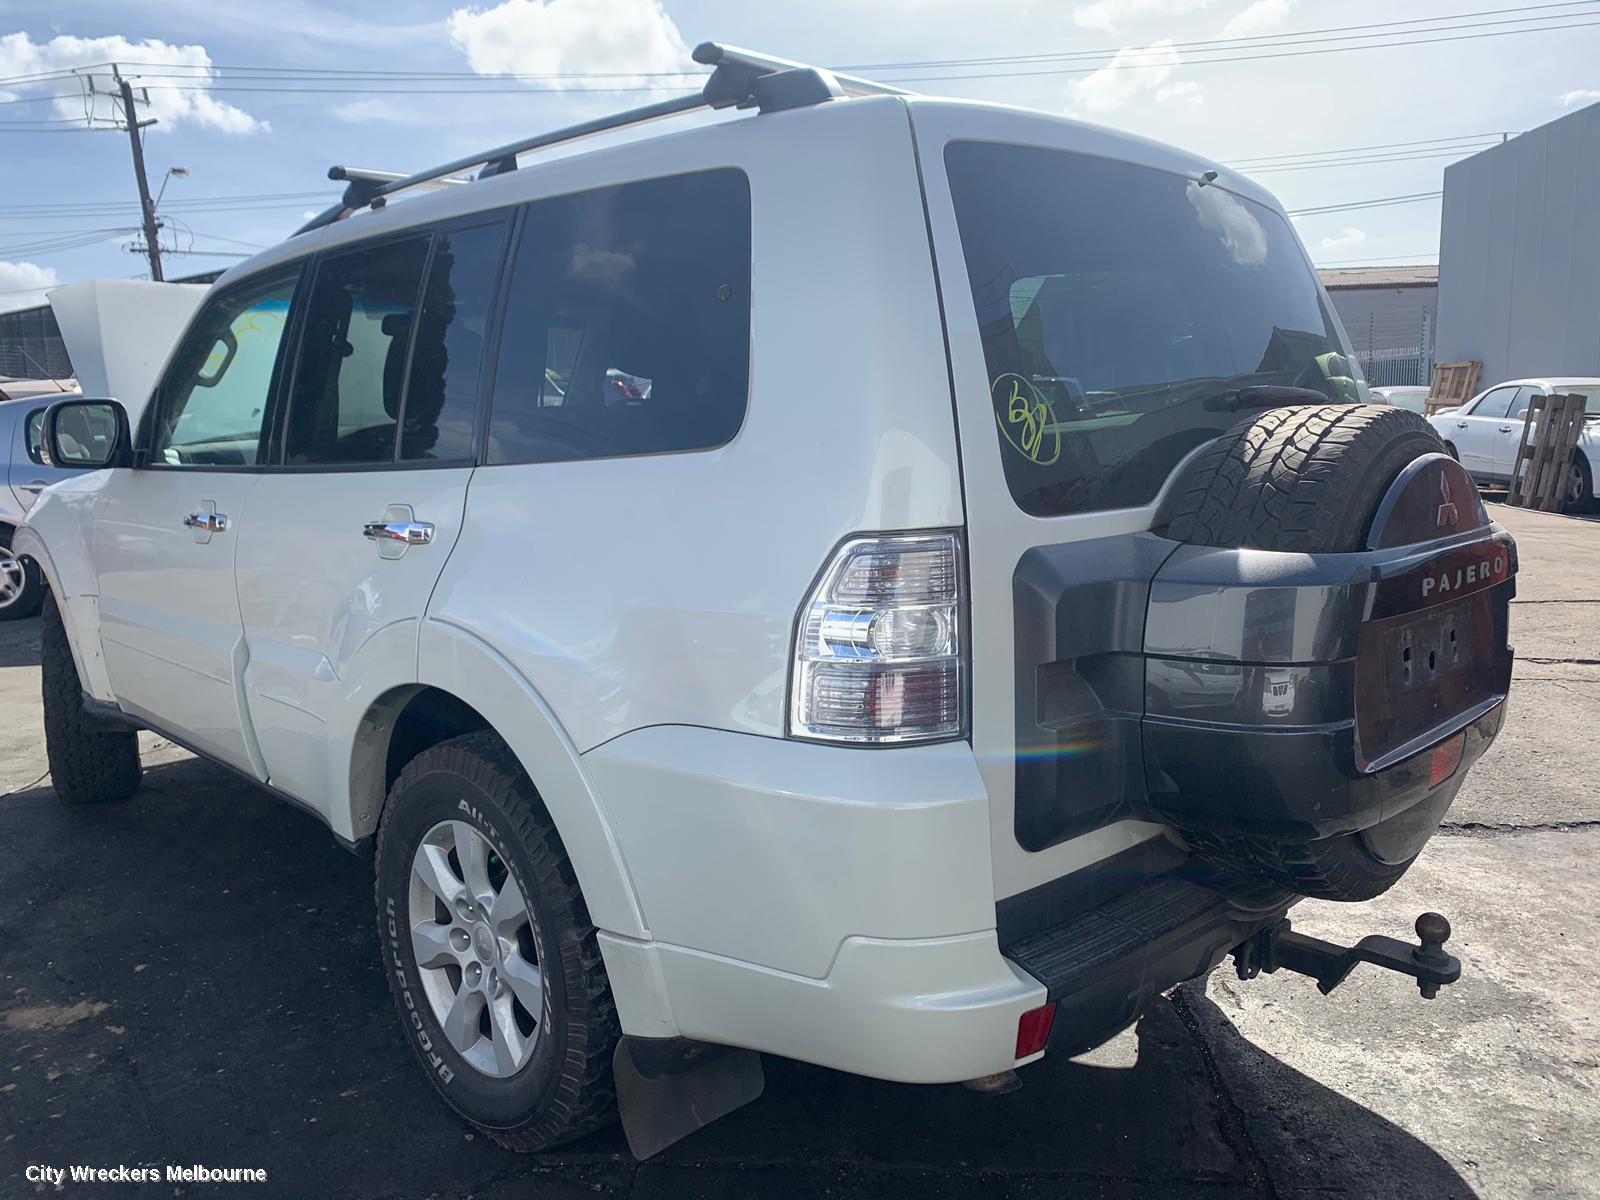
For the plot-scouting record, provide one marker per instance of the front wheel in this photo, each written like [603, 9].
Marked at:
[89, 762]
[491, 956]
[21, 588]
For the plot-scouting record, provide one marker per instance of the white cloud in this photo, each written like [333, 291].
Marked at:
[1185, 90]
[540, 37]
[1346, 239]
[1579, 96]
[1109, 16]
[21, 55]
[1135, 69]
[1264, 16]
[22, 284]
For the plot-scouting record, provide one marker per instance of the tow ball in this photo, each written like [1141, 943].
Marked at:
[1329, 964]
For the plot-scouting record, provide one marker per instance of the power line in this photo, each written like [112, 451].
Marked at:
[1414, 198]
[209, 77]
[1379, 261]
[1460, 137]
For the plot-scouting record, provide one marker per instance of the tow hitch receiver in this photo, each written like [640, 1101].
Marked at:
[1330, 964]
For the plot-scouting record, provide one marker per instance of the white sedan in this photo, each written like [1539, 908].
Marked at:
[1485, 431]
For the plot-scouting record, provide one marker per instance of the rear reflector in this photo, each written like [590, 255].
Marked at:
[1446, 758]
[1033, 1030]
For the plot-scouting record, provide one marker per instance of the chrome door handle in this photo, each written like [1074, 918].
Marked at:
[411, 533]
[37, 486]
[210, 522]
[1507, 428]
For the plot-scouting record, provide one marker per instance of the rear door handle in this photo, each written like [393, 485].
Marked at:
[410, 533]
[210, 522]
[37, 486]
[1507, 428]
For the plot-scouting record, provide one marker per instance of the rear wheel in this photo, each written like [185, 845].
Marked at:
[1308, 480]
[90, 763]
[493, 961]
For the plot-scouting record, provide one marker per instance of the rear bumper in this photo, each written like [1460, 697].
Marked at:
[827, 904]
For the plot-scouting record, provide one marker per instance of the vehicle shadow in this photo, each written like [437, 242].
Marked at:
[19, 643]
[194, 977]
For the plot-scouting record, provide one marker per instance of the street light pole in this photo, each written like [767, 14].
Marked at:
[146, 205]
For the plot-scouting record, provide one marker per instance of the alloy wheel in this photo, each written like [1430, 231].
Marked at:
[13, 578]
[476, 949]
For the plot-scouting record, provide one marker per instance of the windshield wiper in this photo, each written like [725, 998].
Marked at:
[1262, 395]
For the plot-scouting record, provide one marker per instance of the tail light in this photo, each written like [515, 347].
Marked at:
[879, 648]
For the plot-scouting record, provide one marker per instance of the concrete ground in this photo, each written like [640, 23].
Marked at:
[192, 978]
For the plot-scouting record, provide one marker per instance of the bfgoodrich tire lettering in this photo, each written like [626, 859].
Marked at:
[89, 764]
[564, 1089]
[1308, 480]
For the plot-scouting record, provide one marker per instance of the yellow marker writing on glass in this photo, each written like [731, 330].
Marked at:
[1026, 419]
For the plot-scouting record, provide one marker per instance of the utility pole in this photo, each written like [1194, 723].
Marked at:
[146, 205]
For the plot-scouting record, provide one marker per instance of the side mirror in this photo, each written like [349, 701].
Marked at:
[86, 435]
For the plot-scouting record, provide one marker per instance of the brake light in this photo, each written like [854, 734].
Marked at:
[879, 649]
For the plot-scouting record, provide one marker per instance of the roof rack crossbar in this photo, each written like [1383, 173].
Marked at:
[740, 79]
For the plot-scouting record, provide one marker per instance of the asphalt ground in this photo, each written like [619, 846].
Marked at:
[193, 978]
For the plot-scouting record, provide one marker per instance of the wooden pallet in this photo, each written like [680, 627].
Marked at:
[1550, 433]
[1453, 384]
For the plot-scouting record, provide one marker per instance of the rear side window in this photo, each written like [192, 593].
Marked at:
[441, 399]
[345, 407]
[627, 323]
[1122, 310]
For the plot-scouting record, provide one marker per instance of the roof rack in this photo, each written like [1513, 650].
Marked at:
[739, 79]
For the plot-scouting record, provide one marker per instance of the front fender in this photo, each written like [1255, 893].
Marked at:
[462, 664]
[56, 536]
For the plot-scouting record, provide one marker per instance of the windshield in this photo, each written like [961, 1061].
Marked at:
[1125, 314]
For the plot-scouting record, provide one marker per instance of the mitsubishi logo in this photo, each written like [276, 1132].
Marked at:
[1447, 510]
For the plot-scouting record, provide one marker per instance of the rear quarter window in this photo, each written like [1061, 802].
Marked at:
[627, 322]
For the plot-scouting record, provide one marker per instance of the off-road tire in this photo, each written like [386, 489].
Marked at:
[565, 1089]
[89, 762]
[1307, 480]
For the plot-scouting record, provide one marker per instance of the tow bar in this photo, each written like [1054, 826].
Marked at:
[1329, 964]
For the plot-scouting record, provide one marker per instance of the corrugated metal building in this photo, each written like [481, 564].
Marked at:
[1519, 254]
[1390, 314]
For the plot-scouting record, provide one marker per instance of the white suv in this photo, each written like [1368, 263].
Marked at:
[888, 582]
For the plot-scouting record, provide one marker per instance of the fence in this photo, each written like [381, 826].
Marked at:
[31, 345]
[1404, 367]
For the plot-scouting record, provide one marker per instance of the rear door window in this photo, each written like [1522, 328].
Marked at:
[345, 405]
[627, 322]
[440, 405]
[1122, 309]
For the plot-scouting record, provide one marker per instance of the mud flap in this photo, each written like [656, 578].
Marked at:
[669, 1087]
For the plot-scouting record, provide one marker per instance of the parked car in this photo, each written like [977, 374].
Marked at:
[947, 644]
[1412, 399]
[23, 475]
[1484, 433]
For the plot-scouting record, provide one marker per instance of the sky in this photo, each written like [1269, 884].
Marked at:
[1378, 112]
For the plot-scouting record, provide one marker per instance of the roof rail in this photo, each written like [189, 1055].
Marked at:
[739, 79]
